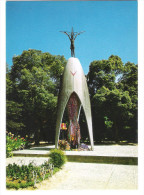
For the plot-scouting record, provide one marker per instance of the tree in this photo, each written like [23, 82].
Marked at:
[13, 109]
[35, 77]
[116, 105]
[129, 82]
[113, 97]
[104, 73]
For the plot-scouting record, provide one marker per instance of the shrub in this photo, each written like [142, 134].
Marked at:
[57, 158]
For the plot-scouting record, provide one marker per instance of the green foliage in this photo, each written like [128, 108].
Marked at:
[58, 158]
[108, 123]
[14, 143]
[113, 92]
[27, 175]
[32, 90]
[14, 116]
[103, 73]
[17, 186]
[33, 84]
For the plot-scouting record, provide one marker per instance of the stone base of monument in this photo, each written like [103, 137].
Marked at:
[113, 154]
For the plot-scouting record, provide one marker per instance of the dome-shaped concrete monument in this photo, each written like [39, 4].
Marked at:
[74, 89]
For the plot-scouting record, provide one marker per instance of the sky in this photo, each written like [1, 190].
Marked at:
[110, 29]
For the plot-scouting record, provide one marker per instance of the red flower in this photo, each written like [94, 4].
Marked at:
[22, 137]
[15, 139]
[12, 138]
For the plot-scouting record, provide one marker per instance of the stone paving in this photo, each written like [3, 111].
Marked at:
[100, 150]
[116, 154]
[95, 176]
[87, 176]
[91, 176]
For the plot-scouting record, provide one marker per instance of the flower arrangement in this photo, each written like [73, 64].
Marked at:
[64, 145]
[15, 143]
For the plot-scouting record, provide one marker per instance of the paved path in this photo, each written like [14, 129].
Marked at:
[99, 150]
[91, 176]
[81, 176]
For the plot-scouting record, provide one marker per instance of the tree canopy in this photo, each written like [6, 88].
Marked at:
[33, 85]
[113, 91]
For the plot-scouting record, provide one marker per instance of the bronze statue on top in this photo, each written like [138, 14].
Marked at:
[72, 36]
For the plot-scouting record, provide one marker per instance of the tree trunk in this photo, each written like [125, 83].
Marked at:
[37, 137]
[116, 132]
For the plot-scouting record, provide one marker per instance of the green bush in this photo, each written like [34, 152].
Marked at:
[57, 158]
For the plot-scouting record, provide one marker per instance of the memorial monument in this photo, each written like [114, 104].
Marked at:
[74, 94]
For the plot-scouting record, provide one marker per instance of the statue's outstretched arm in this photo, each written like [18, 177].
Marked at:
[78, 34]
[66, 34]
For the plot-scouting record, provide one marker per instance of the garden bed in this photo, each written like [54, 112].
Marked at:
[24, 176]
